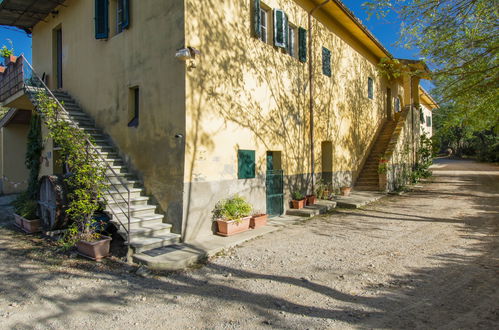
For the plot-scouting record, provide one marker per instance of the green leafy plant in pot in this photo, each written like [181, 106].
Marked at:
[232, 215]
[25, 215]
[298, 200]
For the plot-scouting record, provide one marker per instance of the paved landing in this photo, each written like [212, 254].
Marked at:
[358, 199]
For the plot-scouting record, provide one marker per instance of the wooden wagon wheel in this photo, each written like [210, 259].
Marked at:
[52, 203]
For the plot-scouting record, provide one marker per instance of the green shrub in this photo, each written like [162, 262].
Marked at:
[233, 208]
[297, 196]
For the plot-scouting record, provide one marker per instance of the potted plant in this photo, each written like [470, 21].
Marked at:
[382, 171]
[298, 200]
[25, 214]
[7, 54]
[345, 190]
[232, 216]
[311, 199]
[258, 219]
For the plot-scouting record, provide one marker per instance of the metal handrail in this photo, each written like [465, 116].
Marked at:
[95, 152]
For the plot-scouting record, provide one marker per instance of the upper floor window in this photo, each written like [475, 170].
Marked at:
[119, 13]
[370, 88]
[292, 38]
[428, 121]
[326, 61]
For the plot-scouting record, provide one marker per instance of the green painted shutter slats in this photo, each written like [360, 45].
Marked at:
[421, 116]
[126, 14]
[101, 19]
[246, 164]
[256, 19]
[279, 28]
[370, 88]
[302, 44]
[326, 61]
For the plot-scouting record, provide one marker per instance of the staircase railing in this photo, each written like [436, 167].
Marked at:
[32, 80]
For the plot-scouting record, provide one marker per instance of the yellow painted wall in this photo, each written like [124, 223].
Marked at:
[246, 94]
[14, 151]
[99, 74]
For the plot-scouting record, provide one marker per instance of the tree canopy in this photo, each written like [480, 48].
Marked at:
[459, 40]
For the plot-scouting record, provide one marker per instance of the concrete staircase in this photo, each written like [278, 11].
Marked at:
[147, 227]
[368, 178]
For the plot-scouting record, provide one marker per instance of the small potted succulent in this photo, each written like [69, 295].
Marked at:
[258, 219]
[25, 215]
[232, 215]
[298, 200]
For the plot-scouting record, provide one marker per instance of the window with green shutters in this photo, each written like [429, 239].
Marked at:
[101, 19]
[302, 44]
[326, 61]
[370, 88]
[122, 15]
[246, 164]
[280, 28]
[428, 121]
[421, 116]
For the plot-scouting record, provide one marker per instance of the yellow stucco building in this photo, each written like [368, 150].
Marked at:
[206, 99]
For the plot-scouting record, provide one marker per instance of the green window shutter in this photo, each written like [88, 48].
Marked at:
[302, 44]
[421, 116]
[370, 88]
[245, 164]
[428, 121]
[256, 18]
[101, 19]
[126, 14]
[279, 28]
[326, 61]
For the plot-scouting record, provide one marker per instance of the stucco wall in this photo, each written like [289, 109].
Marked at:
[100, 73]
[428, 130]
[15, 173]
[245, 94]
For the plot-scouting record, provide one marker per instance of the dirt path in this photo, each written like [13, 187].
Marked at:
[427, 259]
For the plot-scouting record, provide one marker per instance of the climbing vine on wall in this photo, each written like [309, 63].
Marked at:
[86, 178]
[33, 154]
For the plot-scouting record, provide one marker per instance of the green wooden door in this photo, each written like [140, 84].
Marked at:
[274, 188]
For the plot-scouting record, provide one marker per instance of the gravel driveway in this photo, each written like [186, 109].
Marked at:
[426, 259]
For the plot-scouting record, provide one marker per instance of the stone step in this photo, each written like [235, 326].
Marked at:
[366, 187]
[140, 244]
[147, 230]
[122, 201]
[135, 211]
[134, 192]
[137, 222]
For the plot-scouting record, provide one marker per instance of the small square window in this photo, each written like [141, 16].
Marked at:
[370, 88]
[245, 164]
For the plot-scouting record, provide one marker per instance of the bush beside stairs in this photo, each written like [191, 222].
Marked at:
[147, 226]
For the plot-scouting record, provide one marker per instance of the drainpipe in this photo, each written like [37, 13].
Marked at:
[412, 123]
[311, 89]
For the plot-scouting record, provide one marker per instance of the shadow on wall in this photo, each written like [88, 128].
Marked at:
[260, 95]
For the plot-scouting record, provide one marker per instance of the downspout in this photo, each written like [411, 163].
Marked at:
[311, 90]
[412, 124]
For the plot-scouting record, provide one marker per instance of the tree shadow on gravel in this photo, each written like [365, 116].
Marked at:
[459, 291]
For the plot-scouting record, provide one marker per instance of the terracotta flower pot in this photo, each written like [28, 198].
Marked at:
[382, 182]
[311, 199]
[31, 226]
[231, 227]
[258, 221]
[95, 250]
[18, 221]
[10, 59]
[298, 204]
[345, 191]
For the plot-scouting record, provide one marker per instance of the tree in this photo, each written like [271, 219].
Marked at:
[459, 40]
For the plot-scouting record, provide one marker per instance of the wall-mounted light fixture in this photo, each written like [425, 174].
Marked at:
[188, 53]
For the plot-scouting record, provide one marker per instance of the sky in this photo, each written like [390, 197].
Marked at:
[386, 30]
